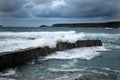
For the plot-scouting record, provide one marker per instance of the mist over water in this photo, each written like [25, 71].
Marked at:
[92, 63]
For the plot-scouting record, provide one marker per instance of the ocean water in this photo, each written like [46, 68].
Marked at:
[87, 63]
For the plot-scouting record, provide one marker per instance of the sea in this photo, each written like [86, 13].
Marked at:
[86, 63]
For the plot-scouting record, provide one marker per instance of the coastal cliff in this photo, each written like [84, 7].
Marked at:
[107, 24]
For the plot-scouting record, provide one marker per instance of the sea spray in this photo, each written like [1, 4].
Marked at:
[52, 38]
[22, 40]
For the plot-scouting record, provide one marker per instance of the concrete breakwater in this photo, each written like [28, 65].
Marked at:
[85, 25]
[20, 57]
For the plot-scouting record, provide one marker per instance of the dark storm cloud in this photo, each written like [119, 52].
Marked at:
[93, 8]
[60, 8]
[11, 5]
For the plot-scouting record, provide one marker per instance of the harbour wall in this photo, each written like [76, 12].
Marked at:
[21, 57]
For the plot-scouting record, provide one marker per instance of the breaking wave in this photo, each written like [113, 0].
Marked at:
[51, 38]
[11, 41]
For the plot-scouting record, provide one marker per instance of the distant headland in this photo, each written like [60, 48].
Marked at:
[44, 26]
[85, 25]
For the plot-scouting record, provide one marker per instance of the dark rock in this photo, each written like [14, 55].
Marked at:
[43, 26]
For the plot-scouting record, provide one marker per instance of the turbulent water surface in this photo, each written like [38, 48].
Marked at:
[87, 63]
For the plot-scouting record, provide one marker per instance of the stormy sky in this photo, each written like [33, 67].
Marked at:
[37, 12]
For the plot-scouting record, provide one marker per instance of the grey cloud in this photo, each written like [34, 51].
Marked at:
[11, 5]
[91, 8]
[81, 9]
[20, 14]
[66, 9]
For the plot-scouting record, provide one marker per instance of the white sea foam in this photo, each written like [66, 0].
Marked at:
[50, 39]
[77, 70]
[108, 28]
[82, 53]
[64, 70]
[70, 64]
[109, 69]
[111, 46]
[11, 41]
[8, 72]
[6, 79]
[99, 72]
[67, 77]
[14, 44]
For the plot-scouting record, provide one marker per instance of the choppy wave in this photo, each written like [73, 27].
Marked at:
[102, 35]
[65, 70]
[8, 72]
[70, 64]
[108, 28]
[112, 46]
[78, 70]
[109, 69]
[91, 74]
